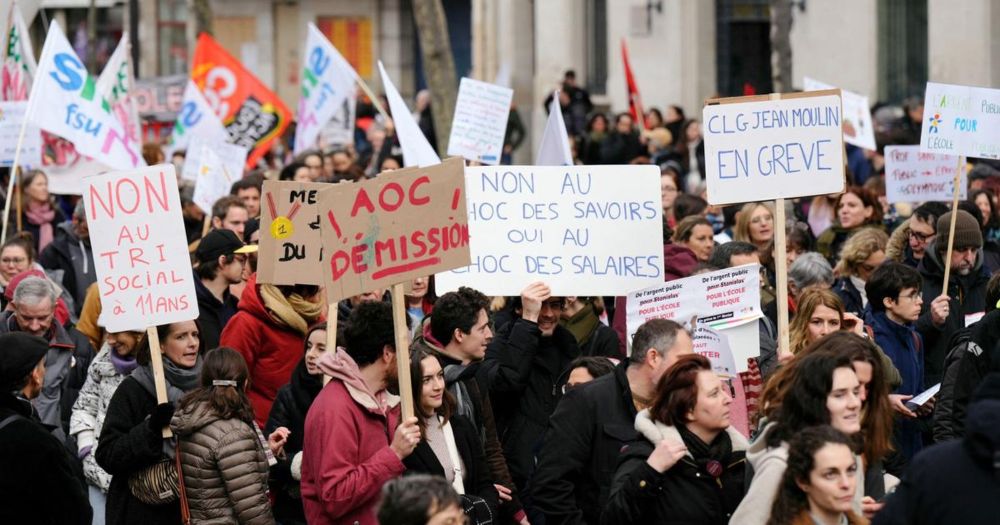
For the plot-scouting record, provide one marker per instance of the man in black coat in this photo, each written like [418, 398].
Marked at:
[592, 423]
[39, 481]
[944, 312]
[221, 257]
[957, 481]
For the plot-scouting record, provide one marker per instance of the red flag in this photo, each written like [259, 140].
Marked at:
[253, 114]
[634, 102]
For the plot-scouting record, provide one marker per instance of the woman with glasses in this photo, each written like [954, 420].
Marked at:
[16, 256]
[863, 252]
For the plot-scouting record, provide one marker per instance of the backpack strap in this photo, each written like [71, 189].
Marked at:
[8, 420]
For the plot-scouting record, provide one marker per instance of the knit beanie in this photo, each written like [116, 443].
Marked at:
[967, 232]
[20, 354]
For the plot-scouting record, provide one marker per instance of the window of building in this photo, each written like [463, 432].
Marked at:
[902, 49]
[743, 47]
[597, 46]
[171, 34]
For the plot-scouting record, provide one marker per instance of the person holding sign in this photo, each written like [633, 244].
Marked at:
[689, 460]
[347, 454]
[946, 305]
[132, 448]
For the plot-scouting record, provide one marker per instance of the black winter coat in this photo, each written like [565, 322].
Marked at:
[212, 313]
[849, 294]
[523, 371]
[478, 481]
[69, 254]
[953, 482]
[578, 457]
[289, 411]
[39, 481]
[683, 494]
[968, 362]
[128, 445]
[968, 296]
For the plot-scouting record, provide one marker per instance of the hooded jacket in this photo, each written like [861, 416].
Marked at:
[769, 464]
[968, 296]
[270, 349]
[346, 457]
[75, 257]
[225, 467]
[678, 262]
[957, 481]
[685, 493]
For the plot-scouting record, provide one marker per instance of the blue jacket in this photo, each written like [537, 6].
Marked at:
[904, 347]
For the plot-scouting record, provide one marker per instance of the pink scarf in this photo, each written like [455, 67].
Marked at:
[41, 215]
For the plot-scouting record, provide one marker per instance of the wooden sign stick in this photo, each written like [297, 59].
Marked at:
[781, 270]
[331, 333]
[951, 226]
[402, 349]
[156, 359]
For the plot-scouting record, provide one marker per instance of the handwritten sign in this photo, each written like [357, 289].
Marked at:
[912, 176]
[961, 120]
[858, 128]
[760, 149]
[480, 121]
[11, 117]
[719, 300]
[399, 226]
[715, 346]
[290, 243]
[214, 179]
[232, 157]
[140, 249]
[584, 230]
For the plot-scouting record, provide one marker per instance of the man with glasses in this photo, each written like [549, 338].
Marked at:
[524, 368]
[919, 232]
[945, 311]
[895, 302]
[220, 259]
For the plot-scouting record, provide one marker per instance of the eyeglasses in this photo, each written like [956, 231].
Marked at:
[556, 304]
[920, 237]
[911, 296]
[13, 260]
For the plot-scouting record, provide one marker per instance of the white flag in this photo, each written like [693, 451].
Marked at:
[114, 85]
[554, 149]
[214, 178]
[196, 119]
[231, 157]
[327, 80]
[19, 58]
[64, 101]
[417, 152]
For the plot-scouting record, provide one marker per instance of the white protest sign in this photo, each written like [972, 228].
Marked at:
[912, 176]
[214, 179]
[715, 346]
[759, 149]
[11, 117]
[858, 129]
[339, 131]
[961, 120]
[584, 230]
[480, 121]
[232, 157]
[140, 249]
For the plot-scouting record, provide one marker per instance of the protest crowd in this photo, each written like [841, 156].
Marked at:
[285, 400]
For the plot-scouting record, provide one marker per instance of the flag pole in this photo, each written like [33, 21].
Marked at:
[14, 177]
[371, 95]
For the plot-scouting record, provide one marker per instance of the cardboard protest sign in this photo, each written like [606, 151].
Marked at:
[64, 101]
[759, 148]
[715, 346]
[858, 128]
[327, 80]
[584, 230]
[961, 120]
[11, 117]
[290, 243]
[391, 229]
[140, 248]
[253, 115]
[214, 178]
[480, 121]
[232, 157]
[912, 176]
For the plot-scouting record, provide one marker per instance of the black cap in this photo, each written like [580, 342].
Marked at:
[218, 243]
[20, 353]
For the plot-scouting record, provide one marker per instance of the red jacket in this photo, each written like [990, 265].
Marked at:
[270, 349]
[345, 451]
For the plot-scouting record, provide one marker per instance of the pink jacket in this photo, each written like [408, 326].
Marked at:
[345, 454]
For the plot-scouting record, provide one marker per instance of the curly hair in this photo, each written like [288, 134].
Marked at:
[858, 248]
[368, 330]
[456, 310]
[802, 449]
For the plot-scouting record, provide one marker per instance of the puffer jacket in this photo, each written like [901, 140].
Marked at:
[89, 411]
[225, 468]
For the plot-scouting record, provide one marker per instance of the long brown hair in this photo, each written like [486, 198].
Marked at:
[806, 307]
[418, 353]
[226, 400]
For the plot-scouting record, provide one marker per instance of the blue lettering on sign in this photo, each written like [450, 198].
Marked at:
[68, 72]
[77, 120]
[318, 61]
[486, 211]
[189, 114]
[543, 265]
[576, 186]
[487, 264]
[618, 265]
[740, 164]
[538, 211]
[508, 182]
[517, 236]
[775, 159]
[965, 124]
[719, 124]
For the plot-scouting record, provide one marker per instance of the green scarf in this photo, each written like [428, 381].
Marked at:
[582, 325]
